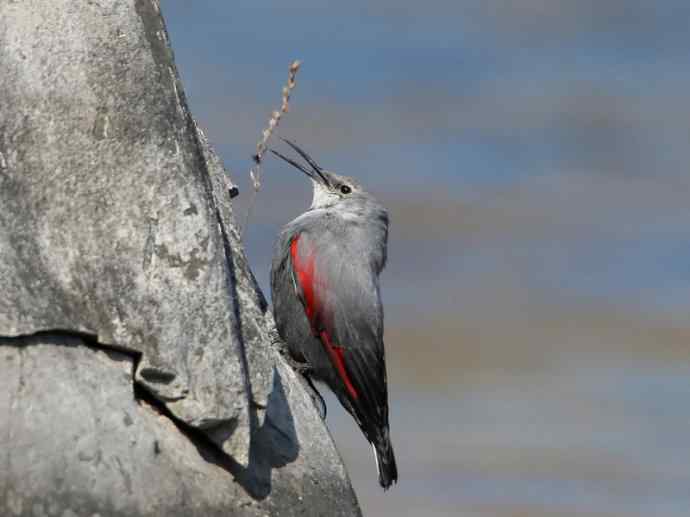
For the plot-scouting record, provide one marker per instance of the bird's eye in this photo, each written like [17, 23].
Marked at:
[345, 189]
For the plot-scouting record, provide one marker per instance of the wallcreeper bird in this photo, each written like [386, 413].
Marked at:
[326, 301]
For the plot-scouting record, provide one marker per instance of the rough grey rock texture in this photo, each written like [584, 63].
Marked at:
[74, 445]
[116, 226]
[118, 232]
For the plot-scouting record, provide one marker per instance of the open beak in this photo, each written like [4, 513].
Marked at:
[316, 172]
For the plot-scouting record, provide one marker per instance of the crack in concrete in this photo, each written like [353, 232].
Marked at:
[196, 436]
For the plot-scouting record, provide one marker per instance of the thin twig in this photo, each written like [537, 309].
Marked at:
[262, 144]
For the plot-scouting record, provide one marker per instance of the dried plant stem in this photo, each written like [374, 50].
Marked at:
[262, 144]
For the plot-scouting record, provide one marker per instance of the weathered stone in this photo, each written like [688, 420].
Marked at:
[118, 234]
[116, 225]
[77, 442]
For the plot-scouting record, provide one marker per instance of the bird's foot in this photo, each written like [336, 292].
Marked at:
[304, 370]
[283, 350]
[300, 367]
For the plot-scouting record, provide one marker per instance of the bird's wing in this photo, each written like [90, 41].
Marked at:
[339, 290]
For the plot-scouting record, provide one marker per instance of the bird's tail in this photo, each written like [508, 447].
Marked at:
[385, 460]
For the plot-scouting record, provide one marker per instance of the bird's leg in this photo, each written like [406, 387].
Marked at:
[304, 370]
[299, 367]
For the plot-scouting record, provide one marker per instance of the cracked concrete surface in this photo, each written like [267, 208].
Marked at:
[84, 444]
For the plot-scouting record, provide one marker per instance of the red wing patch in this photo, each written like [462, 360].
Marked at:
[336, 353]
[304, 268]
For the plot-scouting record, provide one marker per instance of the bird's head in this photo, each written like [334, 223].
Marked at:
[330, 189]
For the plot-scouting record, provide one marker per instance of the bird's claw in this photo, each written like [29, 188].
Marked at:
[303, 369]
[300, 367]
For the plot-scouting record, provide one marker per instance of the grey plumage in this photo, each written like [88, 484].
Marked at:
[326, 300]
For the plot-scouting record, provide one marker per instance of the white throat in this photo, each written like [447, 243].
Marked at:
[322, 196]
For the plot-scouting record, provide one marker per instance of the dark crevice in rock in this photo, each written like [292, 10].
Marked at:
[208, 449]
[232, 287]
[61, 337]
[272, 446]
[256, 478]
[157, 375]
